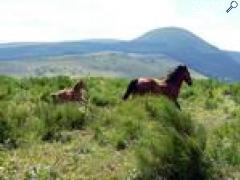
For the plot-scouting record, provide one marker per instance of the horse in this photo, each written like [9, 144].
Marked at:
[169, 86]
[77, 93]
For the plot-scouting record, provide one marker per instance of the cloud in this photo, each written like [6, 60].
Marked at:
[56, 20]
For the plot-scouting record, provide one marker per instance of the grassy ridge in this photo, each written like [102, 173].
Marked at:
[143, 138]
[102, 63]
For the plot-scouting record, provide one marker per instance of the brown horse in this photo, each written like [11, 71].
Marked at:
[169, 87]
[77, 93]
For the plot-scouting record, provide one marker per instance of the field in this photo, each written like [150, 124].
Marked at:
[106, 138]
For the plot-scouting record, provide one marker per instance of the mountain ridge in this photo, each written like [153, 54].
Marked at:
[174, 42]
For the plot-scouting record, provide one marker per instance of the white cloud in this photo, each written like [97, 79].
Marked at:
[56, 20]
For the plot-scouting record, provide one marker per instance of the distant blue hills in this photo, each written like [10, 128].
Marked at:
[174, 42]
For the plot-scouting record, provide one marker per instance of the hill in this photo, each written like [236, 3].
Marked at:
[143, 138]
[176, 43]
[102, 63]
[234, 55]
[191, 50]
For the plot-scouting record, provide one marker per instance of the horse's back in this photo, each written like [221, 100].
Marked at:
[160, 82]
[147, 80]
[144, 80]
[64, 91]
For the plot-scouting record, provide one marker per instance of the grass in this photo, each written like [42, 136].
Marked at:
[143, 138]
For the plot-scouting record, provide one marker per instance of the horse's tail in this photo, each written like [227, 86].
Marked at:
[131, 87]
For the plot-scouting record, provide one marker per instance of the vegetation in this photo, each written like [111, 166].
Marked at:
[106, 138]
[150, 54]
[102, 63]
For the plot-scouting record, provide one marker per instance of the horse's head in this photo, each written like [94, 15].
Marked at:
[79, 85]
[185, 74]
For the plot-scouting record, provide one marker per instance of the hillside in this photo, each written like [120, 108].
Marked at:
[235, 55]
[106, 138]
[102, 63]
[176, 38]
[176, 43]
[191, 50]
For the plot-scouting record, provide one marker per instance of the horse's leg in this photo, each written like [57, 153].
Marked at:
[57, 99]
[177, 104]
[54, 98]
[130, 89]
[83, 96]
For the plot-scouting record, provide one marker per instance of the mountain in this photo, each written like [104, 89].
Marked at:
[102, 63]
[177, 43]
[234, 55]
[191, 50]
[175, 38]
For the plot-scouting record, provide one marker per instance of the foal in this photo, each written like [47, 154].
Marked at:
[77, 93]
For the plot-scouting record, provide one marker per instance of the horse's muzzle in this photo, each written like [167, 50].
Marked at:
[189, 83]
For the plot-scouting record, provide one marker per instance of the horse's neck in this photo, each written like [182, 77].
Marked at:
[177, 83]
[76, 91]
[76, 88]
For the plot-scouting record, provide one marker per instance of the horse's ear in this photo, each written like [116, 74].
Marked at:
[80, 83]
[183, 66]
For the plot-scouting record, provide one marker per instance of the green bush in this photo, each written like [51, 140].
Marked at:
[158, 140]
[174, 147]
[60, 117]
[234, 91]
[164, 111]
[41, 172]
[5, 130]
[225, 144]
[188, 93]
[211, 104]
[101, 101]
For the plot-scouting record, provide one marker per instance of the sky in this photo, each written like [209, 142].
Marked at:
[62, 20]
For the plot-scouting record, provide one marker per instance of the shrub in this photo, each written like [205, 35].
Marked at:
[100, 101]
[174, 147]
[224, 146]
[164, 111]
[41, 172]
[235, 92]
[129, 133]
[211, 104]
[65, 116]
[188, 93]
[149, 130]
[5, 130]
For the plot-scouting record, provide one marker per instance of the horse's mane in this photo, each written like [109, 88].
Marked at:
[78, 85]
[173, 75]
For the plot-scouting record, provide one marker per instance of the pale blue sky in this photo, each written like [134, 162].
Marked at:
[57, 20]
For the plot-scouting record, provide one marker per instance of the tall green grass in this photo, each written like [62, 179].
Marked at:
[158, 140]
